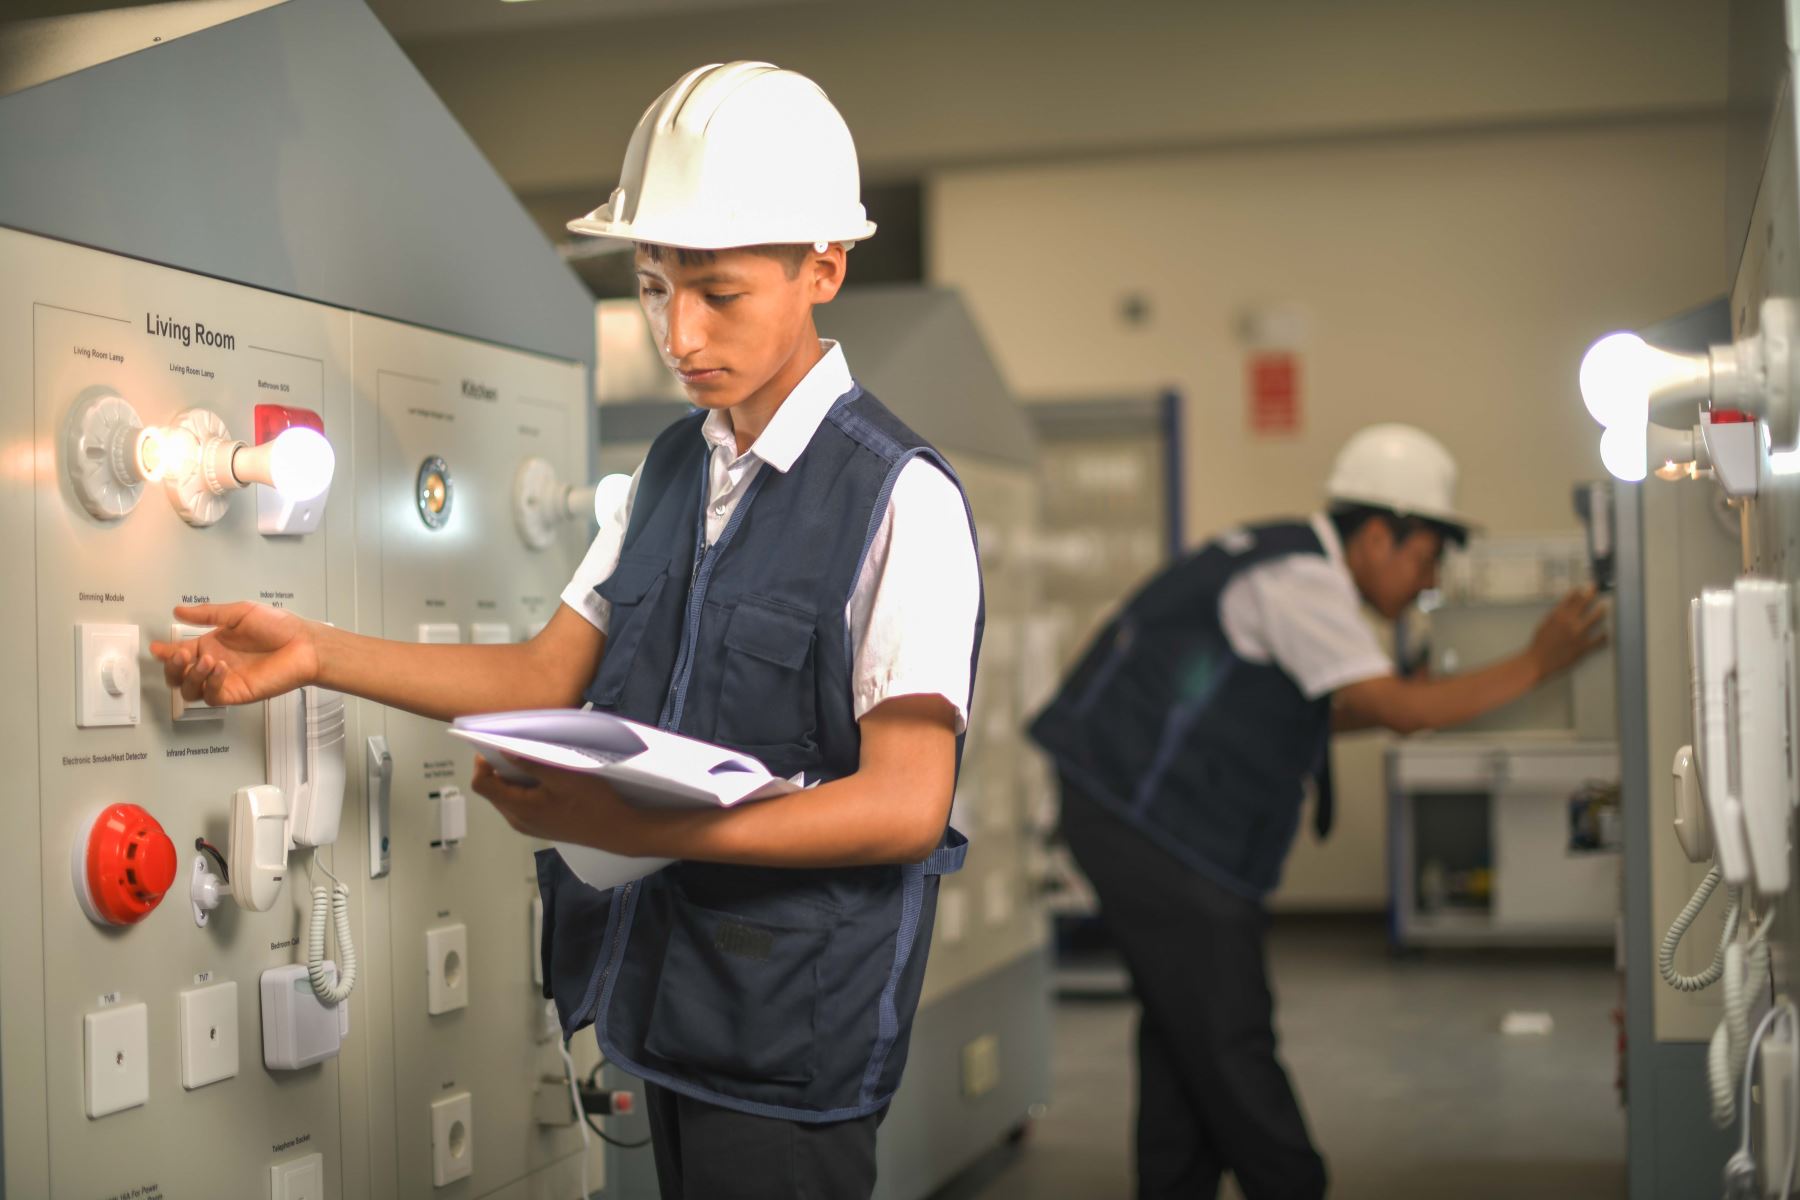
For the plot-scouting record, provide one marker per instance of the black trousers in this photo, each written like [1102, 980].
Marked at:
[708, 1152]
[1212, 1096]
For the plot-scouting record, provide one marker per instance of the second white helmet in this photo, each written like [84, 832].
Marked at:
[1400, 468]
[738, 154]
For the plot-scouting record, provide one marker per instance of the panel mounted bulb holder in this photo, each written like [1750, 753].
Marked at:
[101, 447]
[539, 502]
[1628, 384]
[123, 864]
[197, 451]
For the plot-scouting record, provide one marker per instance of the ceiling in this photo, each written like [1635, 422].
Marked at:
[416, 19]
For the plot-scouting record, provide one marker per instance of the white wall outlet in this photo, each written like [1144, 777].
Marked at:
[298, 1179]
[116, 1042]
[452, 1139]
[106, 675]
[209, 1034]
[446, 969]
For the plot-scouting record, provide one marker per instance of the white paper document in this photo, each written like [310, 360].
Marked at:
[647, 766]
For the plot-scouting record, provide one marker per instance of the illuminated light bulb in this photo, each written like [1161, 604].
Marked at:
[1624, 379]
[298, 462]
[1625, 451]
[1613, 380]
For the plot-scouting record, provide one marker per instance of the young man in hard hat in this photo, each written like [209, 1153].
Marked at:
[1184, 738]
[797, 579]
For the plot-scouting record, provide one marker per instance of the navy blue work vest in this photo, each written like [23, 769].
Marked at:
[1170, 730]
[777, 991]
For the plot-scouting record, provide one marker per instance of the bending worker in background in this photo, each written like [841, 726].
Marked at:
[797, 579]
[1184, 739]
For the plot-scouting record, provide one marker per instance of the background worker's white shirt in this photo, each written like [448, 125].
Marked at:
[912, 612]
[1303, 613]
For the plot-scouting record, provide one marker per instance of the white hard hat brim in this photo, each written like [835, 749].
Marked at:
[622, 235]
[1441, 516]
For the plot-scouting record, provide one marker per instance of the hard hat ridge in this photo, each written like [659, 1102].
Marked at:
[736, 154]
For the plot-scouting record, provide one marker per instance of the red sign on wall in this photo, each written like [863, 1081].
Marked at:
[1273, 377]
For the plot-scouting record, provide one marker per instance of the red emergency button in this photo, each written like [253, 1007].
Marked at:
[124, 863]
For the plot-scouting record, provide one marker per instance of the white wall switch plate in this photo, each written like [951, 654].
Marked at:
[298, 1179]
[106, 675]
[490, 633]
[116, 1042]
[190, 710]
[446, 969]
[209, 1034]
[452, 1139]
[440, 633]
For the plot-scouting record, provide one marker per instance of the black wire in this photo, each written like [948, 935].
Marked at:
[593, 1082]
[201, 843]
[612, 1141]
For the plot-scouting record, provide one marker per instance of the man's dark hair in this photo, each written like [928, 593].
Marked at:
[1347, 518]
[790, 257]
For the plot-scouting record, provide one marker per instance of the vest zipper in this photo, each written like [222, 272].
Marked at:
[705, 559]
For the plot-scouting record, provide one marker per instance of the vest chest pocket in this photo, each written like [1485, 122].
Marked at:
[766, 690]
[633, 590]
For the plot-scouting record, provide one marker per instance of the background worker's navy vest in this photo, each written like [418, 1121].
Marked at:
[778, 991]
[1170, 730]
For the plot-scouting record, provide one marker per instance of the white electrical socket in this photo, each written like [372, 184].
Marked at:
[446, 969]
[452, 1139]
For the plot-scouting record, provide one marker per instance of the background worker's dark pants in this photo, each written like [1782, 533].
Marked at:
[1211, 1095]
[709, 1152]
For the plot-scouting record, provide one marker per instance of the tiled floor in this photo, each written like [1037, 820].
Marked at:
[1409, 1086]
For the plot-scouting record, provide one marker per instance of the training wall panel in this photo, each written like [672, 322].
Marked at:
[74, 322]
[476, 412]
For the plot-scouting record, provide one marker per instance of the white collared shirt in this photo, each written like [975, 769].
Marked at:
[912, 612]
[1303, 613]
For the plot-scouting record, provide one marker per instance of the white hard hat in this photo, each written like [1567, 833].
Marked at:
[1400, 468]
[740, 154]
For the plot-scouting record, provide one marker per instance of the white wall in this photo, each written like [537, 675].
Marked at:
[1450, 281]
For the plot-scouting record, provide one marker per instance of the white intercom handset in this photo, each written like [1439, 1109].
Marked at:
[1765, 738]
[1716, 652]
[1745, 727]
[305, 742]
